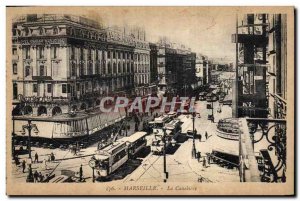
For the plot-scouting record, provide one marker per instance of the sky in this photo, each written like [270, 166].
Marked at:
[205, 31]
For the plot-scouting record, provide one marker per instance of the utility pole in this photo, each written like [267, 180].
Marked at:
[194, 147]
[164, 154]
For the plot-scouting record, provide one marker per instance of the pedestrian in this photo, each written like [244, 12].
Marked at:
[16, 158]
[36, 176]
[75, 150]
[52, 156]
[200, 137]
[41, 177]
[23, 165]
[206, 135]
[36, 157]
[208, 159]
[204, 162]
[199, 156]
[80, 173]
[49, 158]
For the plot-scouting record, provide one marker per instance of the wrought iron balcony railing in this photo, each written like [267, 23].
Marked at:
[270, 160]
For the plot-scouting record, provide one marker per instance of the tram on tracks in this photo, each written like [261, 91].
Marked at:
[172, 129]
[110, 158]
[135, 143]
[160, 121]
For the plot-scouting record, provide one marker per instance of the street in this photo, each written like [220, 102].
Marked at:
[180, 164]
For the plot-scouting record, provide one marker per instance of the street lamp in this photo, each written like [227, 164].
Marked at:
[194, 132]
[92, 164]
[30, 175]
[173, 142]
[29, 127]
[166, 174]
[13, 138]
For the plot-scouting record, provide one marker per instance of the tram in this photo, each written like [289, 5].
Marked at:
[110, 158]
[135, 142]
[202, 96]
[173, 129]
[160, 122]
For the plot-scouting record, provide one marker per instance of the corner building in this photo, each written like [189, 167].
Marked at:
[62, 63]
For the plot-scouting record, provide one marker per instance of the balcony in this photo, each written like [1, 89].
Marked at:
[262, 150]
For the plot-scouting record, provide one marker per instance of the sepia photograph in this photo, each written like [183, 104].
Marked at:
[150, 101]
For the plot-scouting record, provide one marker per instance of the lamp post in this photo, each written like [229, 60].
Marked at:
[173, 142]
[29, 127]
[13, 138]
[92, 164]
[165, 159]
[194, 147]
[30, 175]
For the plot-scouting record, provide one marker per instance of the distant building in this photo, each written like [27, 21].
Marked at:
[199, 70]
[176, 68]
[153, 63]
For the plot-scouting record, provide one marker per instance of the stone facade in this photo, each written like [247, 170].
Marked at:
[62, 63]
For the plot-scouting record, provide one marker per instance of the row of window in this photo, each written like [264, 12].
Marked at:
[116, 69]
[54, 54]
[40, 52]
[28, 32]
[90, 53]
[66, 88]
[42, 70]
[35, 88]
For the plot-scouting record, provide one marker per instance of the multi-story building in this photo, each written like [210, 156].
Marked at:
[176, 68]
[203, 70]
[63, 62]
[153, 63]
[277, 68]
[199, 70]
[260, 94]
[250, 88]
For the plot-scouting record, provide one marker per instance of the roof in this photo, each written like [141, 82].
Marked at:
[172, 113]
[172, 123]
[134, 137]
[112, 148]
[100, 157]
[161, 118]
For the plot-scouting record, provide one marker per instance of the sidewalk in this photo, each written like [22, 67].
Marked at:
[212, 172]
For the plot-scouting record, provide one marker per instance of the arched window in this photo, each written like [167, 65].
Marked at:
[42, 110]
[56, 111]
[27, 110]
[83, 106]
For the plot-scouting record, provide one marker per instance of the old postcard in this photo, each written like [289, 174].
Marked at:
[150, 101]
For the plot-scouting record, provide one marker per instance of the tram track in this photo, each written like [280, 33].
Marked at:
[145, 169]
[151, 165]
